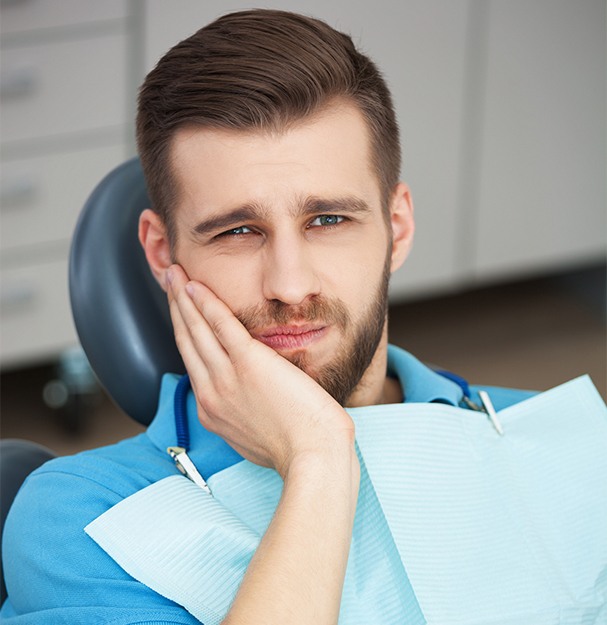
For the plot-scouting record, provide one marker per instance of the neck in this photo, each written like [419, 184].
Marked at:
[375, 387]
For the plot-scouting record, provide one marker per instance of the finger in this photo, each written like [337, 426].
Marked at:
[203, 377]
[196, 301]
[192, 360]
[176, 280]
[198, 364]
[228, 330]
[193, 327]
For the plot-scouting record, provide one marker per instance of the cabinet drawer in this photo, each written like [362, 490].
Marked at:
[35, 311]
[41, 197]
[25, 15]
[63, 87]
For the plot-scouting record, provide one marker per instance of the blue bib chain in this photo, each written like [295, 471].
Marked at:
[180, 407]
[179, 451]
[487, 404]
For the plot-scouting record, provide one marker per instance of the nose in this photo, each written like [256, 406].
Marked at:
[289, 274]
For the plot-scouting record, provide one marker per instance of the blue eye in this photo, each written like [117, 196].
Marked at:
[236, 231]
[327, 220]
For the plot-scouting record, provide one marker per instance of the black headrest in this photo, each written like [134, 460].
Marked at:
[120, 312]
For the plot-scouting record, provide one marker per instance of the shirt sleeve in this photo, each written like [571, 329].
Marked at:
[54, 572]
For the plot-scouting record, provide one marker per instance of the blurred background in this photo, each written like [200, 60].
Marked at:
[502, 107]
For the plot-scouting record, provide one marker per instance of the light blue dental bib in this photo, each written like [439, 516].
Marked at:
[454, 525]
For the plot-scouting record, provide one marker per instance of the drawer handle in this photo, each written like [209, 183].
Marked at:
[21, 83]
[15, 298]
[18, 193]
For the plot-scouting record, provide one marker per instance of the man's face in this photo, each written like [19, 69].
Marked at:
[287, 229]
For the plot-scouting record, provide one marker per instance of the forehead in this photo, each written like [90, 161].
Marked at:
[327, 155]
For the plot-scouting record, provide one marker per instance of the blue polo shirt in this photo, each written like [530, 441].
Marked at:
[56, 574]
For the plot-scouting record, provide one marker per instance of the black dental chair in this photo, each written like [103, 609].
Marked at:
[116, 300]
[120, 312]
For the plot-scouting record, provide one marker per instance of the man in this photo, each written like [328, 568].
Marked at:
[271, 153]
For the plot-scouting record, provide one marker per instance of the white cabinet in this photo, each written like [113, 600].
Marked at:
[64, 102]
[78, 85]
[502, 110]
[36, 323]
[42, 195]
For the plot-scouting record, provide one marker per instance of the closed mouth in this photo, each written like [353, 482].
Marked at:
[290, 336]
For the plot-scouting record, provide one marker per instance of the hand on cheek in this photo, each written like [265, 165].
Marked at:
[265, 407]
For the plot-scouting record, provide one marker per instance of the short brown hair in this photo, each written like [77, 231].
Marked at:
[258, 70]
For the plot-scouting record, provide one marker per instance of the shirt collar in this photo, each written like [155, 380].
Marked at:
[162, 430]
[421, 384]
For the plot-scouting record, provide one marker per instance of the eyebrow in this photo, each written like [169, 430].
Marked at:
[249, 213]
[243, 214]
[349, 204]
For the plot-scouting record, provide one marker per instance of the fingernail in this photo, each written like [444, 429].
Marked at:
[169, 276]
[189, 287]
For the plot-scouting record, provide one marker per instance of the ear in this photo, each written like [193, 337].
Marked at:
[153, 237]
[402, 224]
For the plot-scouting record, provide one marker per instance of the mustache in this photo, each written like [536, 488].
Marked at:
[274, 312]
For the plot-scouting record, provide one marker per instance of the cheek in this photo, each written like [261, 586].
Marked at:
[354, 276]
[233, 281]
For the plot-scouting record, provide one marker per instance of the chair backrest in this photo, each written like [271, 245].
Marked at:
[18, 459]
[120, 312]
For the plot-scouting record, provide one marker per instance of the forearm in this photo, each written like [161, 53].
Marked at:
[297, 573]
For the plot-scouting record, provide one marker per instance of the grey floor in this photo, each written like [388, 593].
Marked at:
[534, 334]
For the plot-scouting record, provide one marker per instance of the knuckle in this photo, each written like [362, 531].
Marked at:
[205, 419]
[208, 398]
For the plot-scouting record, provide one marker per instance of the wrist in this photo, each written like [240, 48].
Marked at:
[330, 468]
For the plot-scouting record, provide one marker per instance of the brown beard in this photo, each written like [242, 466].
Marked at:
[342, 375]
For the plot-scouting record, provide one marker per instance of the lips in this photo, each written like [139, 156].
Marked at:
[291, 336]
